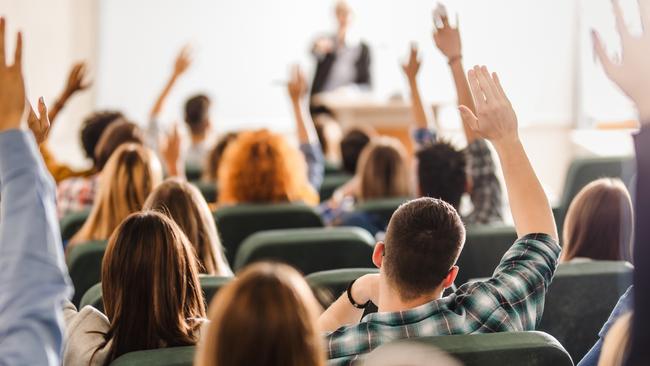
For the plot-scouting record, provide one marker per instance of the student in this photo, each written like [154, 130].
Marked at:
[32, 269]
[267, 317]
[78, 193]
[352, 144]
[197, 119]
[262, 167]
[423, 241]
[184, 204]
[151, 292]
[441, 168]
[130, 175]
[599, 223]
[211, 168]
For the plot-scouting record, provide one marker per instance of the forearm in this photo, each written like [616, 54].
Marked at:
[340, 313]
[158, 105]
[464, 94]
[528, 202]
[419, 114]
[304, 134]
[58, 105]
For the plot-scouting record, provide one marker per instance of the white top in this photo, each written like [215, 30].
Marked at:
[85, 331]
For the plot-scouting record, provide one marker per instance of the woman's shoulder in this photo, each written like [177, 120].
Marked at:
[86, 341]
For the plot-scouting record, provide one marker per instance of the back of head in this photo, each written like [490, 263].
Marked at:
[126, 181]
[150, 286]
[267, 317]
[118, 133]
[352, 144]
[441, 172]
[423, 241]
[184, 204]
[93, 127]
[197, 114]
[211, 170]
[384, 170]
[262, 167]
[599, 223]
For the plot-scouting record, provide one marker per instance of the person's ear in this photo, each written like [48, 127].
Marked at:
[378, 254]
[451, 277]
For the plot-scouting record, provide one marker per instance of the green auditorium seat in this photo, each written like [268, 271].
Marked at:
[85, 267]
[483, 250]
[583, 171]
[238, 222]
[332, 168]
[580, 299]
[331, 183]
[193, 172]
[71, 223]
[383, 208]
[209, 284]
[495, 349]
[329, 285]
[208, 190]
[173, 356]
[309, 250]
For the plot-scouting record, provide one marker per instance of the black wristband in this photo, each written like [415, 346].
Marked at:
[349, 291]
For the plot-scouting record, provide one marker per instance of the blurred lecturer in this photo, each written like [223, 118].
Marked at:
[343, 62]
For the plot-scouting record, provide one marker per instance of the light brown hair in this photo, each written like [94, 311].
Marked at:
[599, 223]
[184, 204]
[211, 168]
[131, 173]
[384, 170]
[266, 317]
[262, 167]
[117, 133]
[150, 286]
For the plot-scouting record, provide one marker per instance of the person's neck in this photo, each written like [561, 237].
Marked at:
[390, 300]
[198, 138]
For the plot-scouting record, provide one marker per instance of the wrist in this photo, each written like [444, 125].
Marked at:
[505, 144]
[455, 60]
[356, 295]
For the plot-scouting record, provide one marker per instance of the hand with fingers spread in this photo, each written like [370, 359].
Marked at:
[183, 61]
[297, 86]
[412, 67]
[632, 73]
[171, 152]
[39, 124]
[77, 79]
[12, 85]
[495, 119]
[447, 38]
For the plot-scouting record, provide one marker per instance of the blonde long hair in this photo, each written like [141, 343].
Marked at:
[130, 174]
[184, 204]
[384, 170]
[266, 317]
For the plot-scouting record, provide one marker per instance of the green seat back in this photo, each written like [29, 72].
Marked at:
[483, 250]
[329, 285]
[173, 356]
[310, 250]
[495, 349]
[85, 267]
[193, 172]
[71, 223]
[383, 208]
[236, 223]
[331, 183]
[208, 190]
[580, 299]
[332, 169]
[209, 284]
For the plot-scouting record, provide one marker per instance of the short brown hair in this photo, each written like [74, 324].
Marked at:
[197, 113]
[599, 223]
[352, 144]
[423, 241]
[118, 133]
[267, 316]
[211, 169]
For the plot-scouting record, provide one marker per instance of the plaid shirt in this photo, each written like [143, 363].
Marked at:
[512, 300]
[76, 194]
[486, 192]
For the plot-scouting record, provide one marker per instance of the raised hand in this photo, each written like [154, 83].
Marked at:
[297, 86]
[12, 85]
[632, 73]
[446, 37]
[39, 124]
[495, 119]
[183, 61]
[77, 79]
[412, 67]
[170, 151]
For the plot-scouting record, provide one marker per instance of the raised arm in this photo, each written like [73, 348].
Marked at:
[447, 39]
[411, 69]
[182, 63]
[32, 269]
[77, 81]
[496, 121]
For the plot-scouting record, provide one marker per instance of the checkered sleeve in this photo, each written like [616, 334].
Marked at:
[313, 154]
[486, 191]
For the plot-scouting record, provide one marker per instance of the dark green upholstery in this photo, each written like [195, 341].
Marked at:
[329, 285]
[580, 299]
[85, 267]
[208, 190]
[483, 250]
[210, 285]
[583, 171]
[71, 223]
[331, 183]
[383, 208]
[174, 356]
[309, 250]
[495, 349]
[193, 172]
[236, 223]
[332, 168]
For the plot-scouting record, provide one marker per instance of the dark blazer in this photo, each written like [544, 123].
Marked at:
[324, 68]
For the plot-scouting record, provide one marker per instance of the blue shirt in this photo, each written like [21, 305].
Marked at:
[33, 276]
